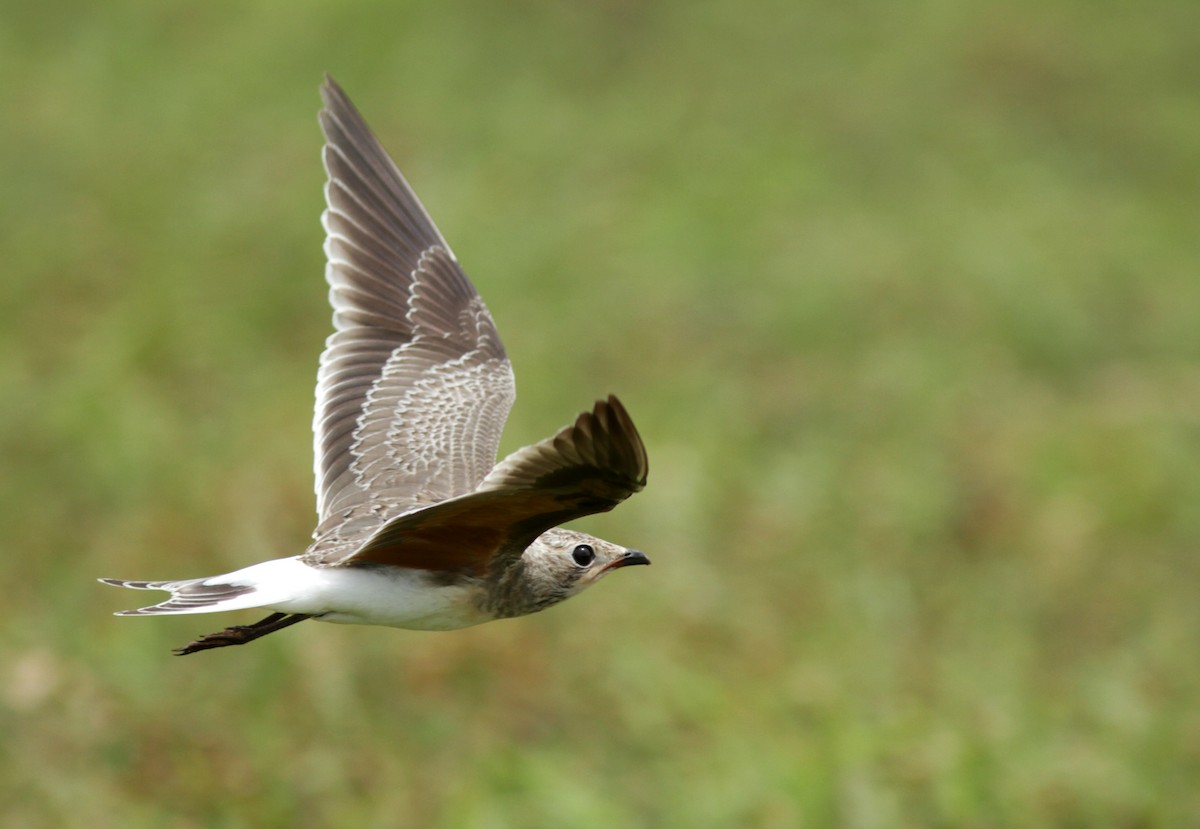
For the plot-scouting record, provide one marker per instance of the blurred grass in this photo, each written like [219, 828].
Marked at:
[904, 299]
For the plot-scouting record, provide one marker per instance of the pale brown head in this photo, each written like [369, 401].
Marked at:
[556, 566]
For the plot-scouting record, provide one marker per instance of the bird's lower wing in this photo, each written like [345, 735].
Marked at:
[588, 467]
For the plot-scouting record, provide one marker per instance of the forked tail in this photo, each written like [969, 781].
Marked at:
[266, 584]
[191, 596]
[234, 591]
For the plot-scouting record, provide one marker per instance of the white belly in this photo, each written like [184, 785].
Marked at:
[394, 597]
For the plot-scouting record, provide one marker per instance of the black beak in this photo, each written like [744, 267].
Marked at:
[630, 557]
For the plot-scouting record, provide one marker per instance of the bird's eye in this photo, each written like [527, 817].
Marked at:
[583, 555]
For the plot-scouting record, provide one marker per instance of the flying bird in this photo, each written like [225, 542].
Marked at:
[418, 526]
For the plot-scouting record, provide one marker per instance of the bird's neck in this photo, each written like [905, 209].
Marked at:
[518, 591]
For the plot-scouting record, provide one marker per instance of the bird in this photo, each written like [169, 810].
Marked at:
[419, 526]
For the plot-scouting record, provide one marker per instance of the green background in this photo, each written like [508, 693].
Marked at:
[903, 297]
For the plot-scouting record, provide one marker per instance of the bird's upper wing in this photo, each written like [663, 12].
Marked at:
[414, 384]
[588, 467]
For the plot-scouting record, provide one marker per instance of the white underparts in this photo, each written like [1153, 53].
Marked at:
[390, 596]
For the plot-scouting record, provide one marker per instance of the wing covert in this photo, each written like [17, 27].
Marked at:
[587, 467]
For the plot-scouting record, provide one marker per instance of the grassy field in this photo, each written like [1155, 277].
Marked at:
[904, 298]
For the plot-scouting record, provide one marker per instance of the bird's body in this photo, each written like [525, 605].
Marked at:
[418, 527]
[390, 596]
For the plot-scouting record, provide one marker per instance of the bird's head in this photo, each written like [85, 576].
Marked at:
[561, 563]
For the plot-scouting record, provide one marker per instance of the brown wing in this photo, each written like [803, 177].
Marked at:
[414, 385]
[588, 467]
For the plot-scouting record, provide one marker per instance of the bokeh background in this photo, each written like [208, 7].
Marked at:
[903, 296]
